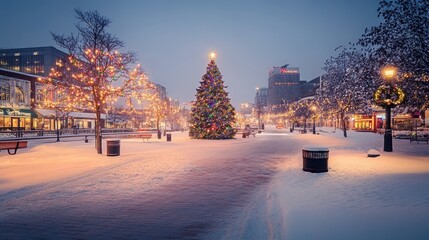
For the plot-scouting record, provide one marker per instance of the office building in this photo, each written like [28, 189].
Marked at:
[283, 85]
[35, 60]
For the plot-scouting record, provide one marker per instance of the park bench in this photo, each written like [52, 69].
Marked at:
[246, 132]
[12, 145]
[419, 138]
[146, 136]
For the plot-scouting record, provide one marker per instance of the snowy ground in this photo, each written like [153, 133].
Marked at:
[251, 188]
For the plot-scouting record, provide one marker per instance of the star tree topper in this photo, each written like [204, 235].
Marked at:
[212, 56]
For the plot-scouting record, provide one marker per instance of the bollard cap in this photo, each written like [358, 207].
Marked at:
[315, 148]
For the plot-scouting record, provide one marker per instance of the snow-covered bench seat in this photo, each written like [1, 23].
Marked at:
[146, 136]
[12, 145]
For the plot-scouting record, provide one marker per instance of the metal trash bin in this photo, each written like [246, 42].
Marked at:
[113, 147]
[315, 159]
[244, 134]
[168, 137]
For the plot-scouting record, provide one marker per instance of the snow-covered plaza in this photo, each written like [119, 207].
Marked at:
[246, 188]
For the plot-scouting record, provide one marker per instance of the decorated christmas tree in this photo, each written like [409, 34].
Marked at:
[212, 115]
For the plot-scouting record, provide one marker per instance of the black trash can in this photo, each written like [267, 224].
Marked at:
[113, 147]
[244, 134]
[168, 137]
[315, 159]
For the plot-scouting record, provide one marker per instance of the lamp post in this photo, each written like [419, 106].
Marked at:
[388, 74]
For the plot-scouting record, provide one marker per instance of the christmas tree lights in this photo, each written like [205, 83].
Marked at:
[212, 115]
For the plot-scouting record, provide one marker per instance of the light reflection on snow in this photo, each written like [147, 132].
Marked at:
[153, 190]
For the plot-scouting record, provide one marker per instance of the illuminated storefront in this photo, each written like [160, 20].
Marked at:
[364, 123]
[16, 119]
[15, 102]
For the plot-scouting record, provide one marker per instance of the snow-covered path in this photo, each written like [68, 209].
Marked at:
[154, 190]
[250, 188]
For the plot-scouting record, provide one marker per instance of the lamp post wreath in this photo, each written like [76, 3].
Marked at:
[397, 96]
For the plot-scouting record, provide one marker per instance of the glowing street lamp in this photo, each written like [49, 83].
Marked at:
[388, 74]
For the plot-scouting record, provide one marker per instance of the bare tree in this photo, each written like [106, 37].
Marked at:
[95, 71]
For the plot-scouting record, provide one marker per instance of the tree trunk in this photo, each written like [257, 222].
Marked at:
[158, 130]
[157, 124]
[98, 145]
[305, 125]
[343, 121]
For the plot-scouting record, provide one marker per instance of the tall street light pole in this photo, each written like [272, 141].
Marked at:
[388, 74]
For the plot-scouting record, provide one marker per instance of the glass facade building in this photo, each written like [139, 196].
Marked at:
[37, 60]
[283, 85]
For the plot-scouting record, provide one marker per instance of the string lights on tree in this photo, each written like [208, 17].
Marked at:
[95, 73]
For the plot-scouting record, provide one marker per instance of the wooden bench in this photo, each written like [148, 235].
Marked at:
[13, 145]
[418, 138]
[146, 136]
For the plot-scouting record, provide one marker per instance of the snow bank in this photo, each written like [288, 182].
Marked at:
[359, 198]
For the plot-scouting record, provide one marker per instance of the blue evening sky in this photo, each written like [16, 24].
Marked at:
[173, 38]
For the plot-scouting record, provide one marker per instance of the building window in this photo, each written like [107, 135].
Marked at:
[5, 92]
[19, 95]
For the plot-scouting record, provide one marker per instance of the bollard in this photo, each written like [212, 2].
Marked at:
[315, 159]
[113, 147]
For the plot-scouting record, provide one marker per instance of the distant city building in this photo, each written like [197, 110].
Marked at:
[261, 98]
[309, 88]
[36, 60]
[283, 85]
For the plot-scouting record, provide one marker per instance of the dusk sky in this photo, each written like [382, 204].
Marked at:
[172, 39]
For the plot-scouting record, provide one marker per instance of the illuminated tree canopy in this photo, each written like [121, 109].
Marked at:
[95, 72]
